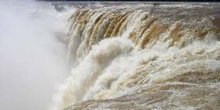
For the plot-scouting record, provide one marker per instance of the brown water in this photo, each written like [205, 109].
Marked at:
[139, 56]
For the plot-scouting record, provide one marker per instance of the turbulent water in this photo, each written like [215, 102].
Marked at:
[143, 56]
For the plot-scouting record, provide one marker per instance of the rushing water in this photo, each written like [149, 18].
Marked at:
[123, 55]
[143, 56]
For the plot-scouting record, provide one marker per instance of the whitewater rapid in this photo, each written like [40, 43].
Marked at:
[143, 56]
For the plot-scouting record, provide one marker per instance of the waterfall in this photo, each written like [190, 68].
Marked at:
[143, 56]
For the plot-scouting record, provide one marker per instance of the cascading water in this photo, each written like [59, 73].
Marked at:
[140, 56]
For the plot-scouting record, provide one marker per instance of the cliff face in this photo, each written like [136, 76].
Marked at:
[140, 56]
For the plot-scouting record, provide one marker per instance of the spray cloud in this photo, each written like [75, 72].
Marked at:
[32, 59]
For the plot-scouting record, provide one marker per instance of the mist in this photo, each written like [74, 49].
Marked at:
[32, 58]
